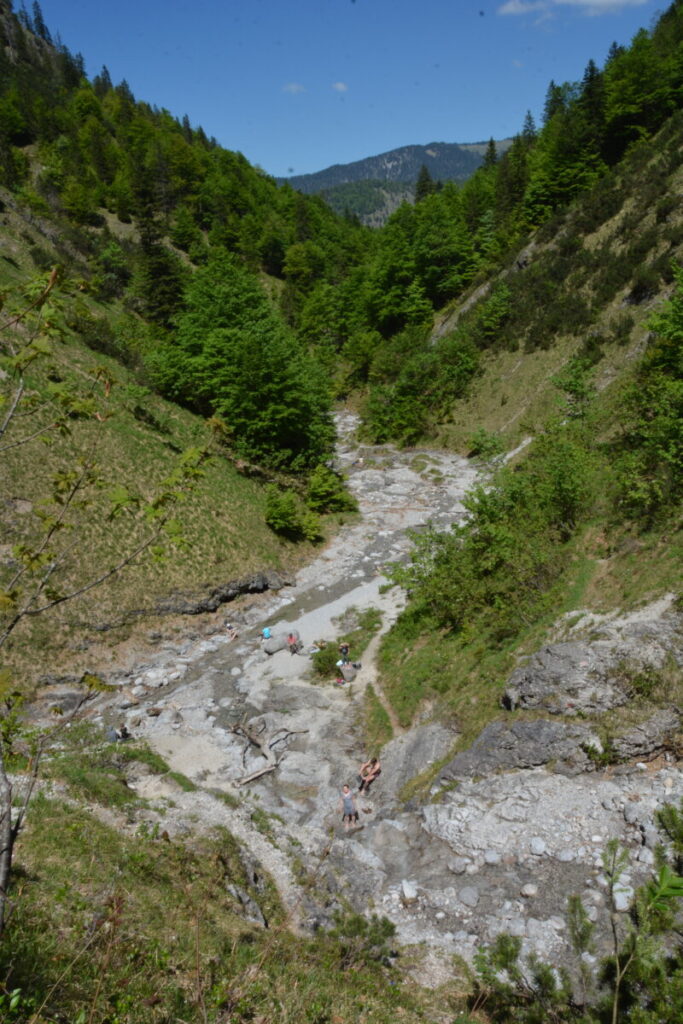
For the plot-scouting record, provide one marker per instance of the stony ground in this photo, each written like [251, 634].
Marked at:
[513, 826]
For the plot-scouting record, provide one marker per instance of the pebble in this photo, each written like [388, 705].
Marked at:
[492, 857]
[529, 889]
[458, 865]
[537, 846]
[631, 812]
[469, 896]
[408, 891]
[623, 896]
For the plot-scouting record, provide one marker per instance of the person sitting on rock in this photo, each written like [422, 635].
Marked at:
[265, 633]
[347, 805]
[292, 643]
[367, 773]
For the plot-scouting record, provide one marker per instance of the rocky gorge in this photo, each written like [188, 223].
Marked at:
[512, 824]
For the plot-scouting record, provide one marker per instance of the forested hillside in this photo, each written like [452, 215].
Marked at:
[176, 332]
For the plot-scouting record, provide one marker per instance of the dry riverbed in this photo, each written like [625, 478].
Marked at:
[490, 852]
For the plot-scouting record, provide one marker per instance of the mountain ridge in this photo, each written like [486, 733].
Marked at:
[449, 161]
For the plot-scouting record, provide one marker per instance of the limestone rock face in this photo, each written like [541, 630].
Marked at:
[521, 744]
[649, 737]
[183, 604]
[412, 753]
[563, 679]
[591, 675]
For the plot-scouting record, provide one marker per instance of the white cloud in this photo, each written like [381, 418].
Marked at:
[340, 87]
[294, 88]
[587, 6]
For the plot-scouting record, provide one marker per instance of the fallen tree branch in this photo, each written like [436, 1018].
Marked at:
[264, 742]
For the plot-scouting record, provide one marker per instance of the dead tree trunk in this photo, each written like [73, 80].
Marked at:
[265, 742]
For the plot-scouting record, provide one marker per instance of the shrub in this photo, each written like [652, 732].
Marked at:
[283, 512]
[327, 493]
[485, 445]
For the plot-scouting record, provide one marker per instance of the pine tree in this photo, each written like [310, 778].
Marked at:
[491, 155]
[424, 186]
[102, 82]
[39, 26]
[554, 101]
[529, 131]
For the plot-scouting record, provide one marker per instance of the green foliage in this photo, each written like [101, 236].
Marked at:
[576, 386]
[670, 821]
[423, 379]
[285, 514]
[485, 445]
[358, 628]
[326, 492]
[496, 568]
[533, 993]
[650, 453]
[362, 940]
[232, 356]
[377, 729]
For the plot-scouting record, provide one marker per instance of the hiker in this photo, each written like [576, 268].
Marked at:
[292, 643]
[230, 631]
[367, 773]
[118, 735]
[347, 805]
[344, 651]
[265, 633]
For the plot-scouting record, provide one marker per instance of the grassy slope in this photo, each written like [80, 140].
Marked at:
[118, 922]
[223, 519]
[462, 678]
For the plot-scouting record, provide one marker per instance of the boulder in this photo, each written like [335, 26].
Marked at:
[522, 744]
[649, 737]
[564, 679]
[411, 754]
[185, 604]
[278, 641]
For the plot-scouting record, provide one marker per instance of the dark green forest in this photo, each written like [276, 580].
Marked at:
[359, 303]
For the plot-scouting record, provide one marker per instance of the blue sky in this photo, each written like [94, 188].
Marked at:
[297, 85]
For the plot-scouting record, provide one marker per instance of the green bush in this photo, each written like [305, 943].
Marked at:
[283, 512]
[496, 569]
[327, 493]
[485, 445]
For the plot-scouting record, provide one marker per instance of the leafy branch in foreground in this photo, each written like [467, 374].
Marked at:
[638, 982]
[44, 567]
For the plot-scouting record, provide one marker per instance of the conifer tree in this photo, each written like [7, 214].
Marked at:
[424, 185]
[491, 155]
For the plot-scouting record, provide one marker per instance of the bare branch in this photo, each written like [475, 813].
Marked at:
[264, 742]
[18, 394]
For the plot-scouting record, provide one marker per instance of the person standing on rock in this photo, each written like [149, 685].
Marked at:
[344, 651]
[347, 805]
